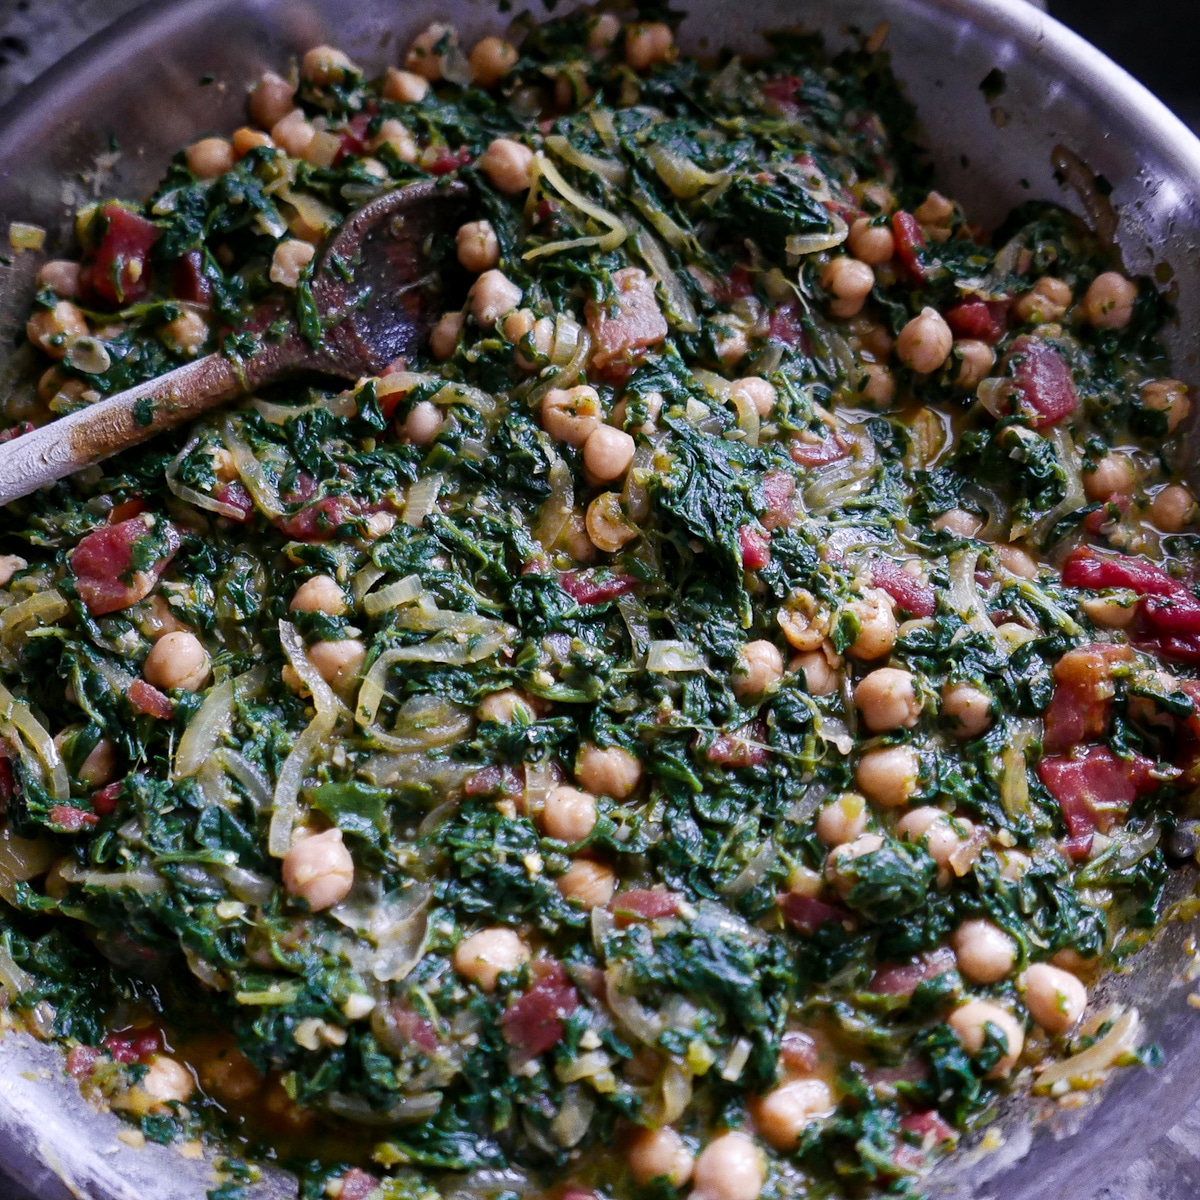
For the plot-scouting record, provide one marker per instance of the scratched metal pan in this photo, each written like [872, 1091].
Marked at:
[172, 71]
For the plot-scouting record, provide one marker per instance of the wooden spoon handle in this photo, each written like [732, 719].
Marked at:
[89, 435]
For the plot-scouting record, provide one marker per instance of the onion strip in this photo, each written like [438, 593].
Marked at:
[190, 495]
[250, 470]
[557, 508]
[608, 169]
[404, 591]
[213, 721]
[603, 242]
[18, 715]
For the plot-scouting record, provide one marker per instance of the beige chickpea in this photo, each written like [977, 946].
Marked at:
[568, 814]
[959, 522]
[443, 340]
[177, 660]
[186, 333]
[607, 525]
[840, 856]
[246, 139]
[925, 342]
[271, 100]
[603, 31]
[478, 247]
[320, 594]
[842, 820]
[323, 65]
[422, 424]
[52, 329]
[967, 709]
[659, 1154]
[1017, 561]
[607, 771]
[505, 708]
[653, 403]
[935, 209]
[293, 133]
[890, 775]
[508, 164]
[491, 59]
[291, 257]
[871, 244]
[876, 626]
[888, 700]
[969, 1021]
[424, 56]
[759, 666]
[338, 663]
[1112, 611]
[730, 1167]
[1168, 396]
[730, 340]
[571, 415]
[1048, 300]
[785, 1112]
[757, 391]
[941, 834]
[493, 295]
[879, 385]
[1173, 508]
[607, 454]
[319, 869]
[1115, 472]
[396, 134]
[488, 954]
[648, 43]
[1108, 302]
[821, 677]
[404, 87]
[976, 360]
[61, 276]
[100, 766]
[985, 953]
[166, 1079]
[1054, 997]
[588, 883]
[849, 282]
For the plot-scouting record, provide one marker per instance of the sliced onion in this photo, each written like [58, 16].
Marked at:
[755, 871]
[1081, 1068]
[247, 886]
[680, 310]
[190, 495]
[15, 980]
[682, 176]
[364, 580]
[211, 722]
[21, 859]
[800, 244]
[1072, 464]
[393, 596]
[739, 1056]
[44, 608]
[541, 778]
[673, 657]
[608, 169]
[1014, 767]
[603, 242]
[279, 414]
[964, 595]
[573, 370]
[142, 880]
[637, 624]
[566, 339]
[422, 500]
[558, 507]
[605, 127]
[628, 1010]
[675, 1093]
[248, 775]
[250, 470]
[664, 225]
[16, 713]
[316, 214]
[405, 1111]
[569, 1127]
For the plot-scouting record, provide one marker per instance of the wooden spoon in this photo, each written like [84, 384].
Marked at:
[375, 296]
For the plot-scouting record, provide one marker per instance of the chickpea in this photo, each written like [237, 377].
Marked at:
[1173, 508]
[849, 282]
[843, 820]
[608, 771]
[653, 402]
[186, 333]
[935, 210]
[52, 329]
[865, 843]
[941, 834]
[289, 261]
[569, 815]
[1115, 472]
[730, 340]
[404, 87]
[820, 676]
[396, 134]
[976, 360]
[100, 766]
[61, 276]
[889, 776]
[271, 100]
[177, 660]
[607, 525]
[247, 139]
[730, 1167]
[422, 424]
[508, 164]
[338, 663]
[293, 133]
[888, 700]
[478, 246]
[876, 626]
[604, 30]
[10, 564]
[443, 340]
[785, 1112]
[488, 954]
[607, 454]
[967, 708]
[1017, 561]
[493, 295]
[424, 57]
[648, 43]
[166, 1080]
[970, 1022]
[588, 883]
[320, 594]
[1054, 997]
[660, 1153]
[505, 708]
[1108, 303]
[985, 953]
[1048, 300]
[491, 59]
[959, 522]
[319, 869]
[759, 666]
[571, 415]
[1111, 612]
[869, 243]
[1168, 396]
[925, 342]
[757, 391]
[879, 385]
[323, 65]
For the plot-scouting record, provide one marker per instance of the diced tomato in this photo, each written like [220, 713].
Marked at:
[319, 521]
[235, 495]
[149, 700]
[69, 819]
[780, 94]
[983, 320]
[1095, 788]
[104, 800]
[534, 1023]
[643, 904]
[16, 431]
[807, 914]
[786, 324]
[189, 281]
[736, 285]
[1083, 691]
[571, 1192]
[1115, 507]
[411, 1028]
[448, 160]
[902, 979]
[930, 1128]
[755, 547]
[622, 336]
[817, 454]
[357, 1185]
[910, 594]
[741, 748]
[8, 782]
[779, 490]
[1078, 848]
[81, 1060]
[910, 245]
[117, 271]
[103, 565]
[1043, 382]
[353, 138]
[132, 1045]
[585, 587]
[133, 507]
[798, 1050]
[496, 780]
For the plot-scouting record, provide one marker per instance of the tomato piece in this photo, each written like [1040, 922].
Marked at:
[740, 748]
[535, 1023]
[910, 245]
[70, 819]
[817, 454]
[910, 594]
[353, 138]
[585, 587]
[755, 547]
[902, 979]
[982, 320]
[188, 280]
[787, 325]
[117, 271]
[1080, 707]
[81, 1060]
[104, 800]
[103, 564]
[235, 495]
[643, 904]
[1095, 788]
[806, 914]
[1043, 382]
[624, 328]
[779, 490]
[357, 1185]
[149, 701]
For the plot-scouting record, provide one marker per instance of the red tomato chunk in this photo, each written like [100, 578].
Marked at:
[103, 564]
[534, 1023]
[117, 272]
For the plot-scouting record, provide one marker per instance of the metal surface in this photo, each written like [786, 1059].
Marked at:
[146, 82]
